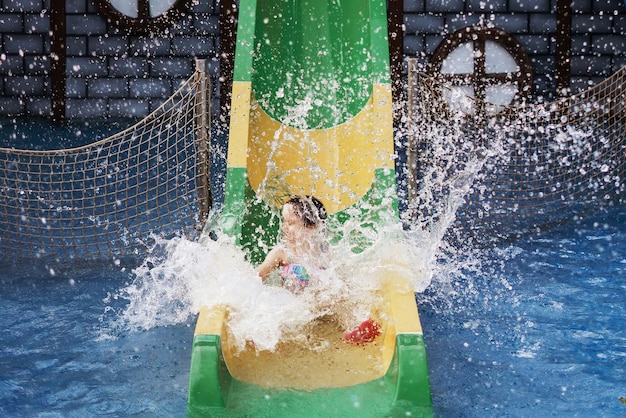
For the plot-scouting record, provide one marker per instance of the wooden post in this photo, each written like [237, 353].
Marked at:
[58, 59]
[203, 109]
[563, 47]
[228, 30]
[412, 140]
[395, 23]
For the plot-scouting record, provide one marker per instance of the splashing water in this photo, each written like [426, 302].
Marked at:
[519, 176]
[180, 276]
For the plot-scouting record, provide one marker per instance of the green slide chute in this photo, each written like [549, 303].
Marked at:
[312, 114]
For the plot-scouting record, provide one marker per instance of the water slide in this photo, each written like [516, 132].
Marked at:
[312, 114]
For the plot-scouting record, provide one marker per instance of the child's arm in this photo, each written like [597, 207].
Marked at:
[274, 259]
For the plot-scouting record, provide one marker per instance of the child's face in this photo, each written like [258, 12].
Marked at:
[292, 226]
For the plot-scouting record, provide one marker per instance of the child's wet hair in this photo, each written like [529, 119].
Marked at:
[310, 209]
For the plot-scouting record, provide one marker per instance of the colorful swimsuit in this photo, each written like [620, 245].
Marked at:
[294, 276]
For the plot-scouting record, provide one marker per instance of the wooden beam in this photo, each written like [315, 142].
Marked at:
[203, 112]
[395, 23]
[563, 47]
[58, 59]
[228, 39]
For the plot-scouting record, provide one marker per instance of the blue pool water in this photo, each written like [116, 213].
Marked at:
[530, 328]
[540, 331]
[534, 328]
[53, 361]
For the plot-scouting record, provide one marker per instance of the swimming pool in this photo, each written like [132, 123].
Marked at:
[538, 330]
[533, 327]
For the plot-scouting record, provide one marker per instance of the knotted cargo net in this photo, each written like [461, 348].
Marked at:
[110, 199]
[502, 172]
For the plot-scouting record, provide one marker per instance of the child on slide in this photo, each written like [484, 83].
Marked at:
[303, 244]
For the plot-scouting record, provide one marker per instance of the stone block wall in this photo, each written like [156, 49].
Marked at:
[110, 73]
[598, 39]
[113, 74]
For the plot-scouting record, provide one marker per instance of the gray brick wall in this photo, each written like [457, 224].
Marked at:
[110, 73]
[113, 73]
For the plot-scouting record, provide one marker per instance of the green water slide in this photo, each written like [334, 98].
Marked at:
[311, 114]
[316, 49]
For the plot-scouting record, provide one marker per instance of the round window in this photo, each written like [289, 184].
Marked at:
[486, 65]
[142, 16]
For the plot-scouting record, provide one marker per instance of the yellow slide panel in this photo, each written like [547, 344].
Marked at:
[335, 164]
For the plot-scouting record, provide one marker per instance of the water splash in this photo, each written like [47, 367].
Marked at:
[180, 276]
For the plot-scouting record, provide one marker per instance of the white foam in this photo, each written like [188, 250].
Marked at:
[180, 276]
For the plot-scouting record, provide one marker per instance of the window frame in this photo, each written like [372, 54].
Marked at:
[143, 24]
[479, 79]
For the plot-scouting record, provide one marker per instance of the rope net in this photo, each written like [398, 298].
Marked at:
[109, 200]
[501, 173]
